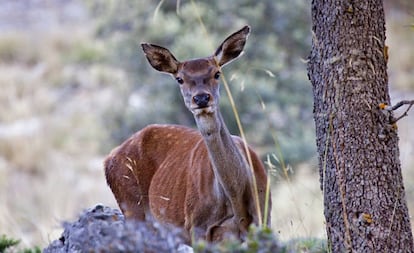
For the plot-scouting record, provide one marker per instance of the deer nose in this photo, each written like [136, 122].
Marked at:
[202, 100]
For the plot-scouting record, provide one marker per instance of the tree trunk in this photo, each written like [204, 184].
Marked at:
[360, 171]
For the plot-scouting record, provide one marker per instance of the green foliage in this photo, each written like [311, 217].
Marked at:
[309, 245]
[8, 243]
[34, 250]
[269, 82]
[86, 53]
[263, 240]
[258, 240]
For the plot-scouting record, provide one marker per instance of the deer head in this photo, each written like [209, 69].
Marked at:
[198, 78]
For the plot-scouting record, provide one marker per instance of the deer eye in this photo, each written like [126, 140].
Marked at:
[217, 75]
[179, 80]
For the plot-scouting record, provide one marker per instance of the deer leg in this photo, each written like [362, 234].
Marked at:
[132, 198]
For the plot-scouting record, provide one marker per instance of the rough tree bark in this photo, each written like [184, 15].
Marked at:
[360, 172]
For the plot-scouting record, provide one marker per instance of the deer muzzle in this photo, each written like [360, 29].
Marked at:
[202, 100]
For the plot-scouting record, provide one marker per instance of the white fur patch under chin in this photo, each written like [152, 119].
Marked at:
[206, 123]
[200, 112]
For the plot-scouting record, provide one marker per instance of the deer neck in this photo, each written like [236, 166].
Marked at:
[230, 167]
[216, 135]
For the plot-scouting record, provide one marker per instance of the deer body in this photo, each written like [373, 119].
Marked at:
[199, 180]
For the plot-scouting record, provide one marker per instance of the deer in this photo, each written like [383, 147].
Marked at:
[199, 180]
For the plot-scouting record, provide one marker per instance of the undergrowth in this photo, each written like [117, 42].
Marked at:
[9, 245]
[263, 240]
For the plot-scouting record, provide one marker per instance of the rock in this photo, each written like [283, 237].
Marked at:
[103, 229]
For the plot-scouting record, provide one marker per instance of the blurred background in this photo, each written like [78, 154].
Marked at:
[74, 84]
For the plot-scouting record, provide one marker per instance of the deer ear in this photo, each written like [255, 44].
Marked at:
[160, 58]
[232, 47]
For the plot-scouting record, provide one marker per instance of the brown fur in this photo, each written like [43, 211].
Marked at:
[197, 180]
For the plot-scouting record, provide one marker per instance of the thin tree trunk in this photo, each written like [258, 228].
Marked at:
[360, 171]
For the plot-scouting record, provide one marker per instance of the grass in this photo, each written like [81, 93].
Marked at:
[49, 134]
[15, 48]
